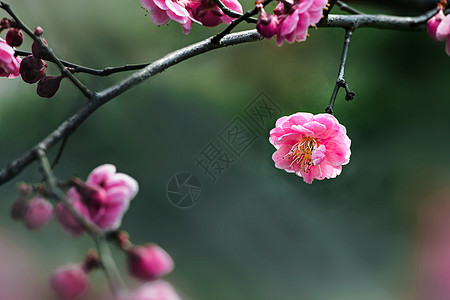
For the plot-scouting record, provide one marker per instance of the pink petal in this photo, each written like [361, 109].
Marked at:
[289, 138]
[337, 153]
[177, 9]
[100, 174]
[288, 24]
[302, 130]
[443, 30]
[315, 127]
[125, 181]
[318, 155]
[282, 162]
[304, 5]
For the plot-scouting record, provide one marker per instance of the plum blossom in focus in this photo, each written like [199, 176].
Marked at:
[162, 11]
[9, 64]
[209, 14]
[204, 12]
[292, 18]
[311, 146]
[102, 200]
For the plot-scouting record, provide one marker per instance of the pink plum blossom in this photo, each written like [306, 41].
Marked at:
[9, 64]
[149, 262]
[295, 17]
[69, 282]
[102, 199]
[443, 32]
[311, 146]
[433, 24]
[209, 14]
[162, 11]
[156, 290]
[267, 24]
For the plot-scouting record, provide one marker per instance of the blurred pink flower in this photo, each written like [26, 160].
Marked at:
[102, 199]
[156, 290]
[295, 17]
[38, 212]
[9, 64]
[162, 11]
[149, 262]
[311, 146]
[70, 281]
[443, 32]
[209, 14]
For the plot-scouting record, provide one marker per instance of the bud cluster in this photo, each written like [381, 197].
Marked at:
[33, 69]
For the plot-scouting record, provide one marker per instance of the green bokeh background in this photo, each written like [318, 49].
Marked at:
[258, 232]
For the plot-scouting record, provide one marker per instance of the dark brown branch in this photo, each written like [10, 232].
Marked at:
[67, 127]
[343, 21]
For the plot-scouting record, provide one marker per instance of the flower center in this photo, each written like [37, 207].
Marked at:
[301, 153]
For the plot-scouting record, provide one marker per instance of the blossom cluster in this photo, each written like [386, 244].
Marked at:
[101, 200]
[204, 12]
[290, 20]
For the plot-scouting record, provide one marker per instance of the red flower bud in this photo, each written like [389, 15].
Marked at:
[18, 209]
[32, 69]
[149, 262]
[38, 30]
[267, 25]
[14, 37]
[69, 282]
[38, 213]
[48, 86]
[91, 261]
[38, 52]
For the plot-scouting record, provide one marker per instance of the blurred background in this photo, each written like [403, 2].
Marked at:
[257, 232]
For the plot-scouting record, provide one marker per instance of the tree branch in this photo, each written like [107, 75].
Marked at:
[348, 8]
[67, 127]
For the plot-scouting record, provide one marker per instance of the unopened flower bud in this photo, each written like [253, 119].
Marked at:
[91, 261]
[90, 193]
[32, 69]
[4, 23]
[38, 52]
[18, 209]
[123, 239]
[38, 213]
[38, 31]
[69, 282]
[48, 86]
[14, 37]
[267, 24]
[433, 24]
[149, 262]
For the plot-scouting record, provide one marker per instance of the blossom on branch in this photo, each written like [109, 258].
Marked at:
[311, 146]
[209, 14]
[162, 11]
[295, 17]
[9, 64]
[102, 199]
[70, 281]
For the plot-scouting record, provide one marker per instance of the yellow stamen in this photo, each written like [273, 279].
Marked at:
[301, 153]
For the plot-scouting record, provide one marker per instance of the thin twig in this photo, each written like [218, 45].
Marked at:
[340, 81]
[216, 39]
[38, 40]
[116, 283]
[75, 68]
[54, 190]
[226, 10]
[345, 7]
[60, 151]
